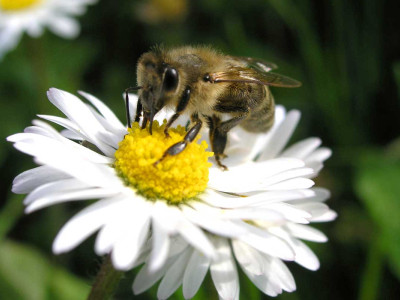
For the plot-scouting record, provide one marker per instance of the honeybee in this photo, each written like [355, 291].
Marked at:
[208, 86]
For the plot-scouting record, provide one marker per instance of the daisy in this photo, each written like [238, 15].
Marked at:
[31, 16]
[254, 202]
[182, 217]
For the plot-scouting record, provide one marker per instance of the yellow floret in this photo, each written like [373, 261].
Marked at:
[17, 4]
[176, 178]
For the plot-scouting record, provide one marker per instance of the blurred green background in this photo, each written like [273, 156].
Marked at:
[347, 55]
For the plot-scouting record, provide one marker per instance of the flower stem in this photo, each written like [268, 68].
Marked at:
[106, 281]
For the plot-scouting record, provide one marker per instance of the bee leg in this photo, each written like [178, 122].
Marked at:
[139, 110]
[180, 146]
[145, 120]
[183, 102]
[219, 136]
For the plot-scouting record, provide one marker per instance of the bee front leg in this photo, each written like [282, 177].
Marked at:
[183, 102]
[180, 146]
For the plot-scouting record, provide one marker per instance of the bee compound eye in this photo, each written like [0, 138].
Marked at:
[207, 78]
[170, 79]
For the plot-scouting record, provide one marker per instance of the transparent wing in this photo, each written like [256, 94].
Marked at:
[255, 63]
[252, 75]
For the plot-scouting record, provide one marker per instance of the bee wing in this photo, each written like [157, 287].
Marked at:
[256, 63]
[248, 75]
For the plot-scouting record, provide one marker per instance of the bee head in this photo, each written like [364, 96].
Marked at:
[158, 81]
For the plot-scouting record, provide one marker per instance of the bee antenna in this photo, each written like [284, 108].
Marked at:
[128, 115]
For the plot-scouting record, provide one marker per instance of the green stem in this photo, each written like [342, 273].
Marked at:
[106, 281]
[373, 271]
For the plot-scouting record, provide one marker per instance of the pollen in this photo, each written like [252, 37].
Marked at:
[17, 4]
[175, 179]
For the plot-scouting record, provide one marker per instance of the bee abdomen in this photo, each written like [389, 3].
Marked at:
[261, 118]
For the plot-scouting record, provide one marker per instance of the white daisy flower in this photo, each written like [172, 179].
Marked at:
[31, 16]
[261, 185]
[182, 217]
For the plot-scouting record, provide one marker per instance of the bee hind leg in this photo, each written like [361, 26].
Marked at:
[219, 135]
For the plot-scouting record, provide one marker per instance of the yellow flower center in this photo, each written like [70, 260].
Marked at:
[17, 4]
[176, 178]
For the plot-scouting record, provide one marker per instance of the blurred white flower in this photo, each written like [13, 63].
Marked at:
[32, 16]
[256, 212]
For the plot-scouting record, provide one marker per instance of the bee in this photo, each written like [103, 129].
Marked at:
[219, 90]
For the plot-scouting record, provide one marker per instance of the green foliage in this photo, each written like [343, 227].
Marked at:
[25, 273]
[378, 186]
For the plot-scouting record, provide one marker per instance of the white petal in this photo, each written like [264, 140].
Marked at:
[196, 237]
[267, 243]
[34, 28]
[264, 284]
[281, 136]
[215, 216]
[29, 180]
[167, 216]
[302, 149]
[320, 155]
[212, 221]
[248, 257]
[116, 224]
[223, 271]
[304, 256]
[247, 177]
[282, 274]
[292, 184]
[54, 187]
[223, 200]
[145, 279]
[111, 135]
[195, 272]
[314, 209]
[291, 212]
[326, 217]
[127, 249]
[133, 99]
[56, 155]
[273, 181]
[177, 245]
[82, 225]
[79, 113]
[48, 135]
[161, 245]
[65, 27]
[306, 233]
[9, 38]
[74, 195]
[239, 152]
[320, 195]
[71, 135]
[174, 276]
[64, 123]
[104, 110]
